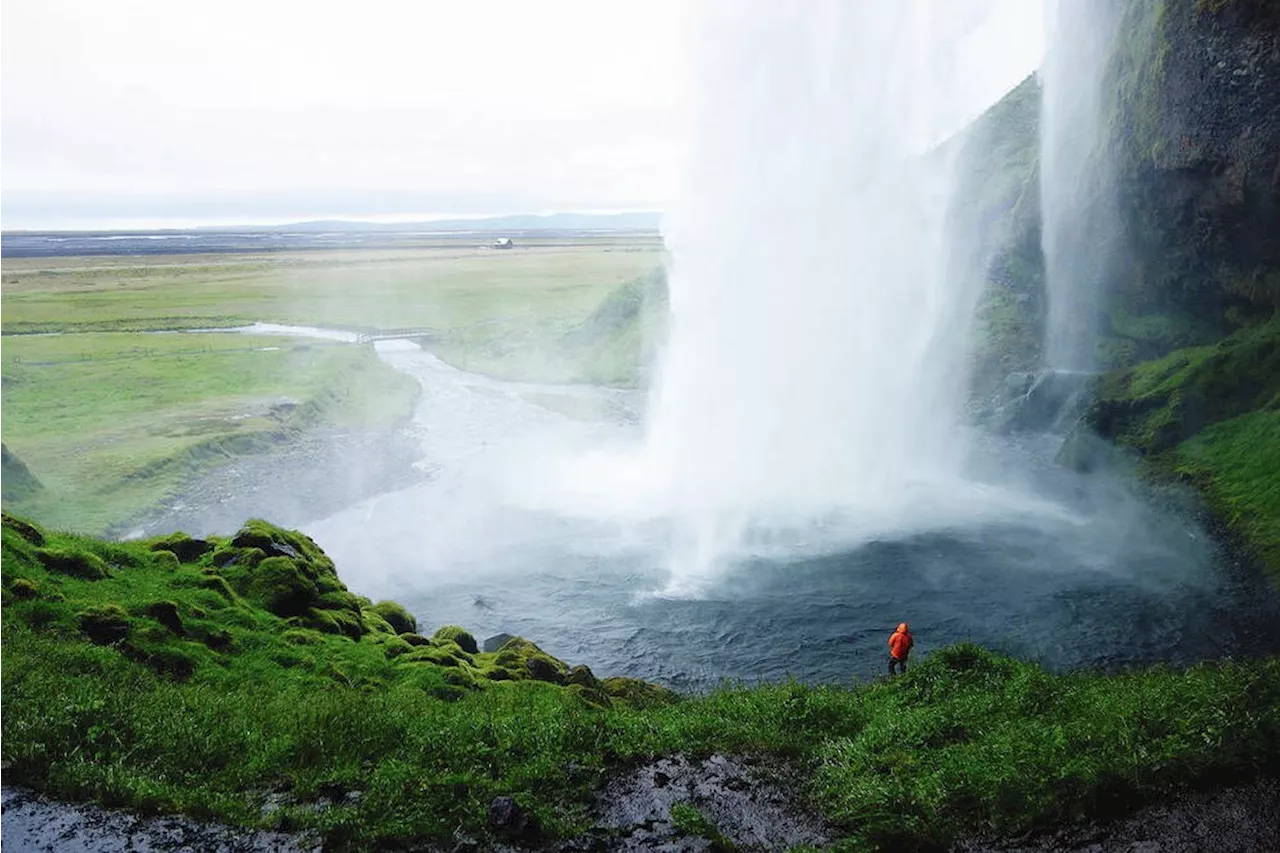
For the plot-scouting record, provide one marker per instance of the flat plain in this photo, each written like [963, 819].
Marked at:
[109, 414]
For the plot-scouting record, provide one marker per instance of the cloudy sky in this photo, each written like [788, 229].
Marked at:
[142, 112]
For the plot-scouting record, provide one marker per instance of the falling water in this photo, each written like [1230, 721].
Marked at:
[1080, 223]
[811, 369]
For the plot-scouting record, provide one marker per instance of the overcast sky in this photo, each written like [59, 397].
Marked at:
[142, 112]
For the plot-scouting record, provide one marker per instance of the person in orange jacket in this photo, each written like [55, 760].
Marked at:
[900, 643]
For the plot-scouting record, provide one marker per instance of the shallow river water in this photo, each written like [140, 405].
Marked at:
[1064, 568]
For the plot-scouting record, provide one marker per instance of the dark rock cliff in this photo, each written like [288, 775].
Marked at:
[1191, 123]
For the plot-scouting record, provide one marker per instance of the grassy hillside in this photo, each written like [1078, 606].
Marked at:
[1209, 415]
[219, 677]
[110, 423]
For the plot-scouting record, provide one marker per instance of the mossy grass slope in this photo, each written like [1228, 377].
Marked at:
[1209, 415]
[213, 676]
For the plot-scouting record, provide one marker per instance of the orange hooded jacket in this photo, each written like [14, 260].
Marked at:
[900, 643]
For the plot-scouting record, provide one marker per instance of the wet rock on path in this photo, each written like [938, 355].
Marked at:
[32, 824]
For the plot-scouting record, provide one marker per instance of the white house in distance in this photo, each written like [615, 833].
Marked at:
[503, 243]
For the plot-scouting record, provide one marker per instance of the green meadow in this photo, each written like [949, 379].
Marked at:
[108, 417]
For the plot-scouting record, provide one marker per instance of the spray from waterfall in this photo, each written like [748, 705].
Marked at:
[811, 369]
[1080, 224]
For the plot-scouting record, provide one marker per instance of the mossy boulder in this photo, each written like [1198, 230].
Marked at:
[25, 529]
[104, 624]
[591, 696]
[376, 625]
[166, 613]
[286, 573]
[218, 585]
[395, 647]
[182, 546]
[397, 616]
[303, 637]
[277, 541]
[281, 586]
[343, 622]
[582, 676]
[461, 636]
[25, 589]
[415, 639]
[638, 693]
[73, 562]
[433, 655]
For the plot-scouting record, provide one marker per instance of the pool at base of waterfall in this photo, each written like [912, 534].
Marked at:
[1064, 568]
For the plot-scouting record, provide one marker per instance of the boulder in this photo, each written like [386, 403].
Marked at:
[397, 616]
[508, 819]
[182, 546]
[497, 641]
[77, 564]
[461, 636]
[542, 669]
[26, 530]
[166, 613]
[104, 624]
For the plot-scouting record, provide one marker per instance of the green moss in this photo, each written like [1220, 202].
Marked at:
[396, 647]
[689, 821]
[415, 639]
[104, 623]
[73, 562]
[638, 693]
[24, 589]
[166, 613]
[1156, 405]
[1236, 464]
[375, 624]
[182, 546]
[342, 622]
[452, 633]
[279, 585]
[397, 616]
[24, 529]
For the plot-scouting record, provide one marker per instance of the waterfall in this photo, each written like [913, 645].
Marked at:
[816, 341]
[1080, 223]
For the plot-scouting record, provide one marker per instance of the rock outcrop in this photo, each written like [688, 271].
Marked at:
[17, 482]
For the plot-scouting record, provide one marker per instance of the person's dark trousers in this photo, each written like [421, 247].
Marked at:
[894, 662]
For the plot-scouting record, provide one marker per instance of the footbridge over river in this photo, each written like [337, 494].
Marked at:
[415, 333]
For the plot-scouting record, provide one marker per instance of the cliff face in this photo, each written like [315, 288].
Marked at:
[1192, 104]
[1187, 320]
[1191, 125]
[997, 199]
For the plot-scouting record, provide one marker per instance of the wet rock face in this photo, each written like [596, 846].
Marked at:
[32, 824]
[741, 799]
[1242, 819]
[1197, 131]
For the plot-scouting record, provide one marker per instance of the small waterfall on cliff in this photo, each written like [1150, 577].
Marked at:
[812, 367]
[1080, 223]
